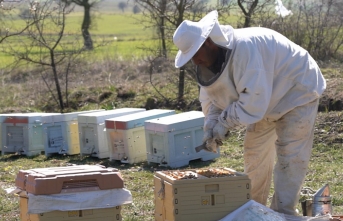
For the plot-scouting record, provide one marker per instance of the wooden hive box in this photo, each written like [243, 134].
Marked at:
[103, 214]
[188, 195]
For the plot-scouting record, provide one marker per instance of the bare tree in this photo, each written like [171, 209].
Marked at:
[314, 25]
[165, 16]
[86, 23]
[41, 45]
[136, 9]
[6, 16]
[251, 8]
[122, 6]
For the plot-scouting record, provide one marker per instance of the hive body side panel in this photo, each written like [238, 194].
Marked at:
[103, 150]
[88, 138]
[36, 140]
[136, 148]
[13, 138]
[117, 141]
[182, 145]
[103, 214]
[201, 201]
[55, 138]
[156, 143]
[73, 138]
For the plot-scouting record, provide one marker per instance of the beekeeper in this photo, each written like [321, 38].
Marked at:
[258, 78]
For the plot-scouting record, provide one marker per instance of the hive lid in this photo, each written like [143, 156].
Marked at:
[27, 118]
[176, 122]
[76, 178]
[101, 116]
[72, 115]
[3, 117]
[136, 120]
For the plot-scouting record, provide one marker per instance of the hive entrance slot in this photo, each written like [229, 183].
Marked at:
[79, 184]
[212, 200]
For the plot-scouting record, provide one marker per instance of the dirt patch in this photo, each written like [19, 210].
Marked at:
[329, 128]
[332, 98]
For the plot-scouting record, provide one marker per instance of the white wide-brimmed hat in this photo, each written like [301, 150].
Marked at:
[189, 37]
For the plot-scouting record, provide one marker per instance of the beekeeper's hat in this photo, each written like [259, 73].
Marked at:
[189, 36]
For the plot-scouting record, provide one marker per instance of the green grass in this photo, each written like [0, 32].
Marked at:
[120, 32]
[124, 26]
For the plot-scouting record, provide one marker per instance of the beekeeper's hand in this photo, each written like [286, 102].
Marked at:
[220, 132]
[208, 129]
[213, 144]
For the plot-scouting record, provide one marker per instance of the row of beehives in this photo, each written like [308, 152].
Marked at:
[130, 135]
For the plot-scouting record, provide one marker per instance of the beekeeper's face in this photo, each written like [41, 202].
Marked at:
[207, 54]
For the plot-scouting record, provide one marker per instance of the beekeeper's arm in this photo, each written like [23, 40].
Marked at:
[254, 87]
[211, 113]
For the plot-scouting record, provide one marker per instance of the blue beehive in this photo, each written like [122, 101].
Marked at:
[171, 140]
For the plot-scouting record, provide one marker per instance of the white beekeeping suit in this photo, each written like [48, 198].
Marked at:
[267, 83]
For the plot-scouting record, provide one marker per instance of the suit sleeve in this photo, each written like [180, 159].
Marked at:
[210, 111]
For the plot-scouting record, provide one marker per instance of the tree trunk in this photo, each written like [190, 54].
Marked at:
[181, 83]
[88, 43]
[182, 69]
[57, 83]
[162, 28]
[247, 21]
[248, 11]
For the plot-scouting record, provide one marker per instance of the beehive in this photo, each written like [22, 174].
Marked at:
[23, 133]
[103, 214]
[92, 131]
[126, 135]
[2, 118]
[171, 140]
[62, 134]
[187, 195]
[54, 180]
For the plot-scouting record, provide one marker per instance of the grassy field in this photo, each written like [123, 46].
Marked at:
[113, 33]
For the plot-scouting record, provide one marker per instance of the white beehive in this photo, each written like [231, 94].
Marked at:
[23, 133]
[92, 131]
[171, 140]
[62, 134]
[126, 135]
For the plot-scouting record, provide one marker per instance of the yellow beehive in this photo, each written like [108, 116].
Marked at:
[201, 195]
